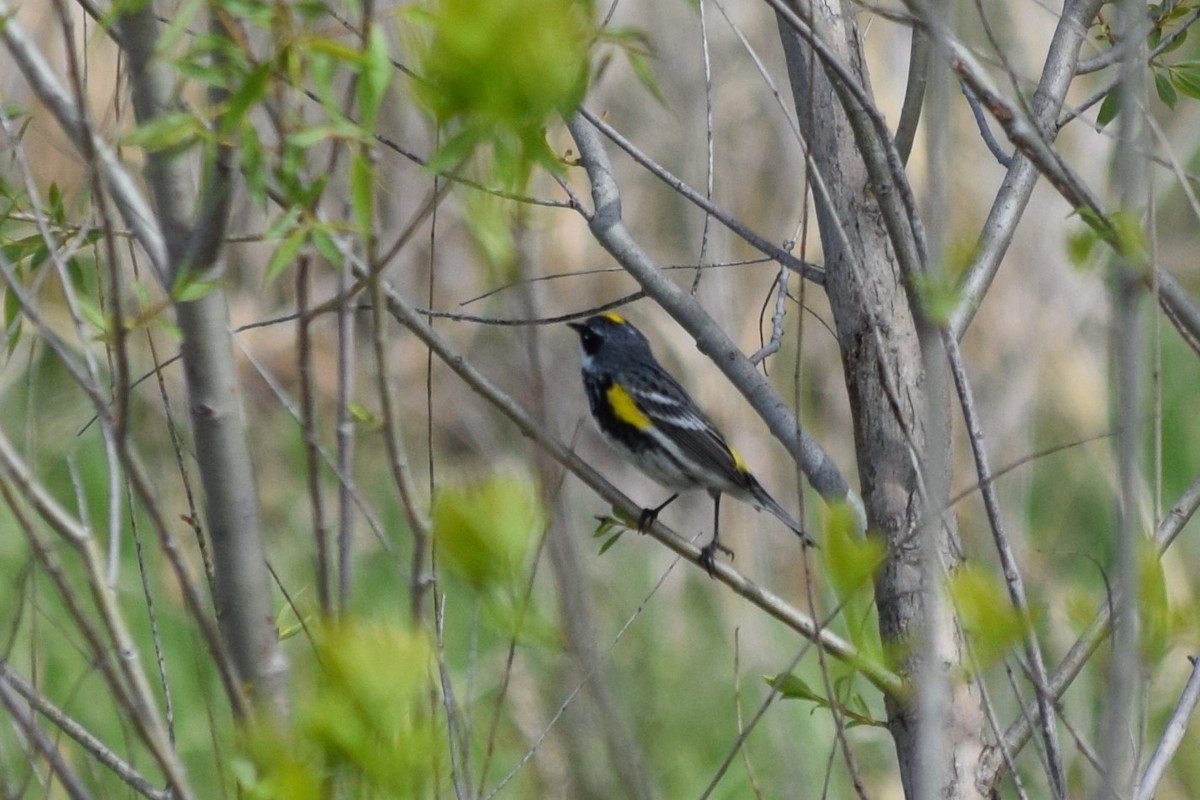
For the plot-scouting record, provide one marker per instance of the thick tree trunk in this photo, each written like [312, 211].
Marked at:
[193, 230]
[882, 357]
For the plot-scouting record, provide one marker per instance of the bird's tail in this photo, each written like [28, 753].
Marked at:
[765, 500]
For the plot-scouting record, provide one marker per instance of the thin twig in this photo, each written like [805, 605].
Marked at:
[412, 319]
[1173, 735]
[753, 239]
[609, 229]
[1096, 632]
[42, 743]
[81, 735]
[1009, 566]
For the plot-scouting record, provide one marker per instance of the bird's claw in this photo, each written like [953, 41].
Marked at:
[708, 556]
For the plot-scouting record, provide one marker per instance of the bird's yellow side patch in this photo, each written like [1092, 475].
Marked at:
[626, 409]
[613, 316]
[738, 462]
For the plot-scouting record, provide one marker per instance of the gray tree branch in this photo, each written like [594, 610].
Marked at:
[412, 319]
[867, 282]
[609, 229]
[992, 764]
[1172, 735]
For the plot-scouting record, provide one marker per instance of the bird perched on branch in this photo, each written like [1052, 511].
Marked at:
[649, 418]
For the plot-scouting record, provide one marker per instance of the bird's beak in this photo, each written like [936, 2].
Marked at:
[575, 326]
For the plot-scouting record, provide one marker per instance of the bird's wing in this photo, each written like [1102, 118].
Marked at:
[688, 429]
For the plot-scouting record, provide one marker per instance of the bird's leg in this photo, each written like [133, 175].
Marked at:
[708, 553]
[649, 515]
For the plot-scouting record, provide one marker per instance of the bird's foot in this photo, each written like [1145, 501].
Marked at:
[708, 556]
[649, 515]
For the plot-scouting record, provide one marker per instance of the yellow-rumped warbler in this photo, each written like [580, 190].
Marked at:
[648, 417]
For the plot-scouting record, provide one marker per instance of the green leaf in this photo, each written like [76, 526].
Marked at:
[253, 89]
[373, 78]
[855, 711]
[640, 65]
[361, 415]
[12, 310]
[1185, 76]
[338, 50]
[362, 720]
[1108, 109]
[795, 688]
[456, 150]
[318, 134]
[851, 561]
[1081, 244]
[283, 224]
[322, 71]
[177, 25]
[166, 131]
[639, 51]
[13, 111]
[502, 69]
[285, 254]
[323, 241]
[1166, 92]
[253, 166]
[1178, 41]
[362, 191]
[939, 294]
[985, 613]
[610, 528]
[1153, 606]
[190, 287]
[483, 530]
[94, 316]
[490, 221]
[1130, 238]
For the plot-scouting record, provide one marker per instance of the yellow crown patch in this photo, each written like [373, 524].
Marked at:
[613, 316]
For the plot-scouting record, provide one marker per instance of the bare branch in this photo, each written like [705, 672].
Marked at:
[88, 741]
[1127, 286]
[45, 84]
[762, 245]
[1010, 569]
[42, 743]
[610, 231]
[886, 681]
[1172, 735]
[1096, 632]
[1009, 206]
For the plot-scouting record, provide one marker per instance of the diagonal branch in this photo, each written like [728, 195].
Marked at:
[1010, 568]
[86, 739]
[992, 764]
[1172, 735]
[410, 317]
[1017, 187]
[609, 229]
[50, 90]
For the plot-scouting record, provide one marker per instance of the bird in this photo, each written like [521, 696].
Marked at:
[648, 417]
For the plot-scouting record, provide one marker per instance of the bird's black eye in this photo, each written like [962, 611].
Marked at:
[590, 340]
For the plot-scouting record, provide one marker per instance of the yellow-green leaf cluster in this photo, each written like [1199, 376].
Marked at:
[364, 723]
[850, 560]
[497, 71]
[985, 613]
[483, 530]
[1154, 609]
